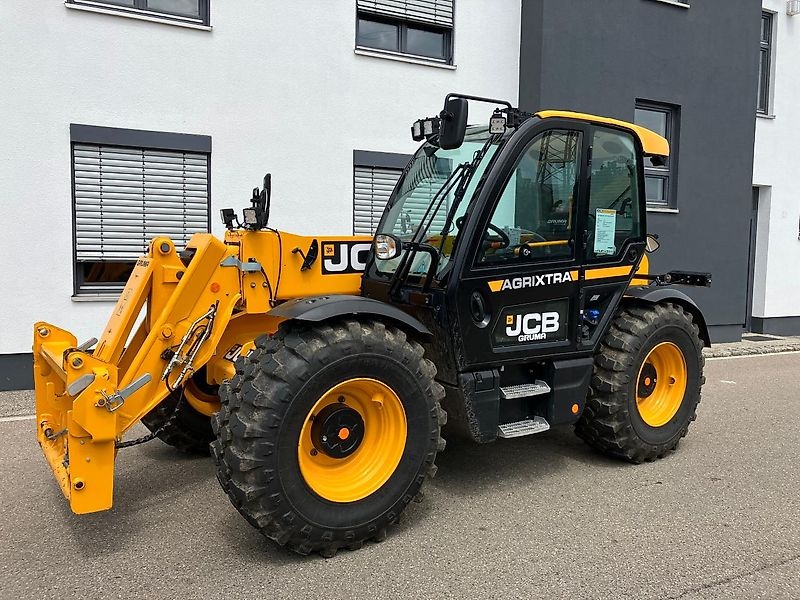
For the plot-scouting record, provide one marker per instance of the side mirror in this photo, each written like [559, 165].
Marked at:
[652, 243]
[453, 123]
[387, 246]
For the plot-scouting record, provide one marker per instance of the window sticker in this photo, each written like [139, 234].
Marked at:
[605, 229]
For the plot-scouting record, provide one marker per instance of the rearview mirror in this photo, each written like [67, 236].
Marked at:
[454, 123]
[652, 242]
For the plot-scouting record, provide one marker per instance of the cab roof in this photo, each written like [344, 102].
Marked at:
[652, 143]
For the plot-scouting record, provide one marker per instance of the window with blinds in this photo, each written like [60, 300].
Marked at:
[126, 196]
[373, 185]
[420, 28]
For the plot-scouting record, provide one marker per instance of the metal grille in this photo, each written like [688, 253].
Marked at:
[124, 197]
[437, 12]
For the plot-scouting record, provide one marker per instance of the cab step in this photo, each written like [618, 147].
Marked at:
[525, 390]
[526, 427]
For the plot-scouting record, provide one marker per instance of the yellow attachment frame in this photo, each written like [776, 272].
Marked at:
[87, 399]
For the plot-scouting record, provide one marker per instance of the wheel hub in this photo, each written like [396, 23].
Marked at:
[647, 381]
[661, 385]
[337, 430]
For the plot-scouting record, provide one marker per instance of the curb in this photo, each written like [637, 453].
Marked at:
[722, 351]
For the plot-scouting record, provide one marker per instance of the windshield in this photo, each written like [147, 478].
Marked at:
[425, 197]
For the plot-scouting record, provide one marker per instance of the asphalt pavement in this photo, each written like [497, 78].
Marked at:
[536, 517]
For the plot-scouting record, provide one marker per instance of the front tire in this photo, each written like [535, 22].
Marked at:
[646, 385]
[189, 429]
[277, 452]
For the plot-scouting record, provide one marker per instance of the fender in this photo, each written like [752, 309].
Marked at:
[322, 308]
[654, 295]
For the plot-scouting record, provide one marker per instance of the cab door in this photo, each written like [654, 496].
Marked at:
[615, 233]
[518, 295]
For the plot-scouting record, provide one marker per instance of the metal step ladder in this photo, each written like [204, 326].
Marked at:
[525, 390]
[525, 427]
[530, 425]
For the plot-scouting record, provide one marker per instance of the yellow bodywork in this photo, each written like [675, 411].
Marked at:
[79, 416]
[652, 143]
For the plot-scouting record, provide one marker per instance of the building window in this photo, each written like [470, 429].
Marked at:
[188, 11]
[765, 63]
[130, 186]
[374, 176]
[419, 28]
[660, 179]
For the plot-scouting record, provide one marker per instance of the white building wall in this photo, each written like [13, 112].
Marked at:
[276, 84]
[777, 281]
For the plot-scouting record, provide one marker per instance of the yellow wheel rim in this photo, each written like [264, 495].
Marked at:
[202, 401]
[352, 440]
[661, 384]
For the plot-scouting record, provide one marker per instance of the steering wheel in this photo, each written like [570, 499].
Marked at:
[505, 241]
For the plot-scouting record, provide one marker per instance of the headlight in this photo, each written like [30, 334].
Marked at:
[387, 246]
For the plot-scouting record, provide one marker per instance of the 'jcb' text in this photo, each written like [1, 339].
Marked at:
[532, 326]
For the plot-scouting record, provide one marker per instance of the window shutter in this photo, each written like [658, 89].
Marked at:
[429, 180]
[372, 187]
[124, 197]
[436, 12]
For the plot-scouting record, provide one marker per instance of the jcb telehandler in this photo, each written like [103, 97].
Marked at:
[507, 284]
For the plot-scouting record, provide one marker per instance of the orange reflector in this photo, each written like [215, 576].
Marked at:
[575, 409]
[344, 433]
[215, 287]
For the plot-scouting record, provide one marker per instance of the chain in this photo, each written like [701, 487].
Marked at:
[151, 436]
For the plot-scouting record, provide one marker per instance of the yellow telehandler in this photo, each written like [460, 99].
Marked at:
[507, 289]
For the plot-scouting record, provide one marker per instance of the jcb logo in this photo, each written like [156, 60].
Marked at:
[531, 327]
[344, 257]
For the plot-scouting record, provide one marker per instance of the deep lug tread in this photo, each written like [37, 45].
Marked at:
[605, 423]
[253, 404]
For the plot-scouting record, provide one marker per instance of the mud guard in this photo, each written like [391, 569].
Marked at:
[654, 295]
[322, 308]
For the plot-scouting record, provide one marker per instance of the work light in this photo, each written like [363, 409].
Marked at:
[250, 217]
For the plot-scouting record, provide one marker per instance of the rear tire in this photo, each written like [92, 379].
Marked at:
[624, 416]
[267, 411]
[190, 430]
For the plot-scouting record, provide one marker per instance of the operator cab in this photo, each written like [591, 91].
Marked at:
[491, 223]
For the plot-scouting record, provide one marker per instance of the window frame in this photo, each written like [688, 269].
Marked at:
[765, 78]
[127, 138]
[669, 172]
[403, 25]
[140, 9]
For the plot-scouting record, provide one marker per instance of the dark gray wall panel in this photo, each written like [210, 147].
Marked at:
[601, 56]
[16, 372]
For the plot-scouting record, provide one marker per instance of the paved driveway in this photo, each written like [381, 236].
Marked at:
[534, 517]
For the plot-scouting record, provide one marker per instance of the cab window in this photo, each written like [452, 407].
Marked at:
[535, 216]
[614, 216]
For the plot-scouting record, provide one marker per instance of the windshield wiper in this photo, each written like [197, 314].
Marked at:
[461, 175]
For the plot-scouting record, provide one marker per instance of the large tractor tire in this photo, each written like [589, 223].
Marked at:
[648, 373]
[189, 429]
[327, 432]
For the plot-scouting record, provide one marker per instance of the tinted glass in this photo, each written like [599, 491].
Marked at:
[425, 43]
[654, 120]
[614, 194]
[763, 81]
[656, 189]
[536, 211]
[190, 8]
[374, 34]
